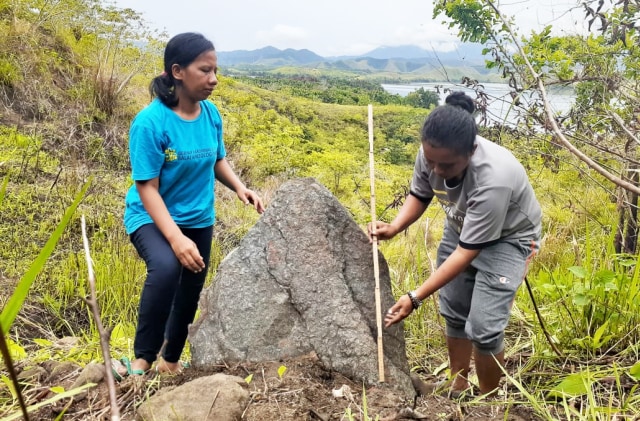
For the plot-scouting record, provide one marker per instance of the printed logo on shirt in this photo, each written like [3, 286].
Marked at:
[170, 155]
[453, 215]
[197, 154]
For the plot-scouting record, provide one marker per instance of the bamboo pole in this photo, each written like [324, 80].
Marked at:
[376, 267]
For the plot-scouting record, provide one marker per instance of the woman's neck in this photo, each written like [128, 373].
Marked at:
[187, 109]
[455, 181]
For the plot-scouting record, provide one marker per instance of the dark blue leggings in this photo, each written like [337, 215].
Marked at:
[170, 294]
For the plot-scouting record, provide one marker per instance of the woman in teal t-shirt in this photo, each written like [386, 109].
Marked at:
[177, 153]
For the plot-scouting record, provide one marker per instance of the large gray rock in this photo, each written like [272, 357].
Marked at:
[301, 281]
[212, 398]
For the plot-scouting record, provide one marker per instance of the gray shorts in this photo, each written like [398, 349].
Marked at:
[477, 303]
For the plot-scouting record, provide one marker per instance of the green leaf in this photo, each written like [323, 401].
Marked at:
[118, 332]
[57, 389]
[55, 398]
[248, 378]
[579, 271]
[43, 342]
[365, 406]
[9, 384]
[16, 351]
[281, 371]
[598, 339]
[581, 299]
[627, 262]
[13, 306]
[441, 368]
[576, 384]
[605, 276]
[634, 371]
[3, 188]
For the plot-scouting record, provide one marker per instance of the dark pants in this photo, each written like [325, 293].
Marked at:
[170, 294]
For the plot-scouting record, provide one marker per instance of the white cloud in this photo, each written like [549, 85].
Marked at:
[429, 37]
[283, 35]
[338, 27]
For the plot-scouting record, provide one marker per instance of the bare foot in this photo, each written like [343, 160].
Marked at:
[170, 368]
[140, 364]
[460, 384]
[123, 367]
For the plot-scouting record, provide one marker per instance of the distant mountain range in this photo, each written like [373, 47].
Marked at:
[400, 59]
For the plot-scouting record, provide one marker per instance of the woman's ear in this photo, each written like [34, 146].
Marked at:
[176, 71]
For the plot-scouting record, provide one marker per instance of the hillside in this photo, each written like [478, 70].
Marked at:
[403, 63]
[269, 57]
[72, 77]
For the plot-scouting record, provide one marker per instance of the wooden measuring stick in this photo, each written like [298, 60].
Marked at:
[376, 268]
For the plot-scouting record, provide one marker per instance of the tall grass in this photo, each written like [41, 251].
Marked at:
[589, 296]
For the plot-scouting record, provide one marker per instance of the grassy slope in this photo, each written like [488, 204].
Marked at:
[263, 132]
[272, 138]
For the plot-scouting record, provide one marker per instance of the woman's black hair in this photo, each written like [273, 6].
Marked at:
[452, 125]
[182, 50]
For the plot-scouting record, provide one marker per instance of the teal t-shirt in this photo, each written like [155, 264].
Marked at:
[182, 154]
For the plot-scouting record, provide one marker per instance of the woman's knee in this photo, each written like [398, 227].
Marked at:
[455, 329]
[486, 339]
[492, 347]
[163, 273]
[166, 267]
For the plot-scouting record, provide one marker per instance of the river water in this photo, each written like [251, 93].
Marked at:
[499, 102]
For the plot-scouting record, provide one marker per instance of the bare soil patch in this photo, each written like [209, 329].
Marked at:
[306, 391]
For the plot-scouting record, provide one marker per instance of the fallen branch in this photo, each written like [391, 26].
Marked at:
[542, 325]
[92, 303]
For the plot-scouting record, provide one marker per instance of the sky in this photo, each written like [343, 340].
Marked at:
[333, 27]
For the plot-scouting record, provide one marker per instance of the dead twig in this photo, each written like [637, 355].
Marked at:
[212, 403]
[318, 415]
[542, 325]
[92, 303]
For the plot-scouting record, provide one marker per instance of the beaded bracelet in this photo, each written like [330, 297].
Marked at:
[415, 301]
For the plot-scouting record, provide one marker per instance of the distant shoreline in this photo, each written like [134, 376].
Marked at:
[455, 75]
[500, 103]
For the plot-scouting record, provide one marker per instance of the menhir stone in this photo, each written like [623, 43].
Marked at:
[301, 281]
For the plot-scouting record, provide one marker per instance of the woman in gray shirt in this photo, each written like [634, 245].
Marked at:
[492, 231]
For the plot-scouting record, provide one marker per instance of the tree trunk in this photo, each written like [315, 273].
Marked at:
[626, 240]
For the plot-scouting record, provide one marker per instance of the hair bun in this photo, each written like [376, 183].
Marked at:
[462, 100]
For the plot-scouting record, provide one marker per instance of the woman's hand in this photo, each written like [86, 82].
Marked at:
[384, 231]
[188, 254]
[399, 311]
[250, 197]
[185, 250]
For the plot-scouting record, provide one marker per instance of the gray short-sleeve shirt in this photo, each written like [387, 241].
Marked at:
[494, 201]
